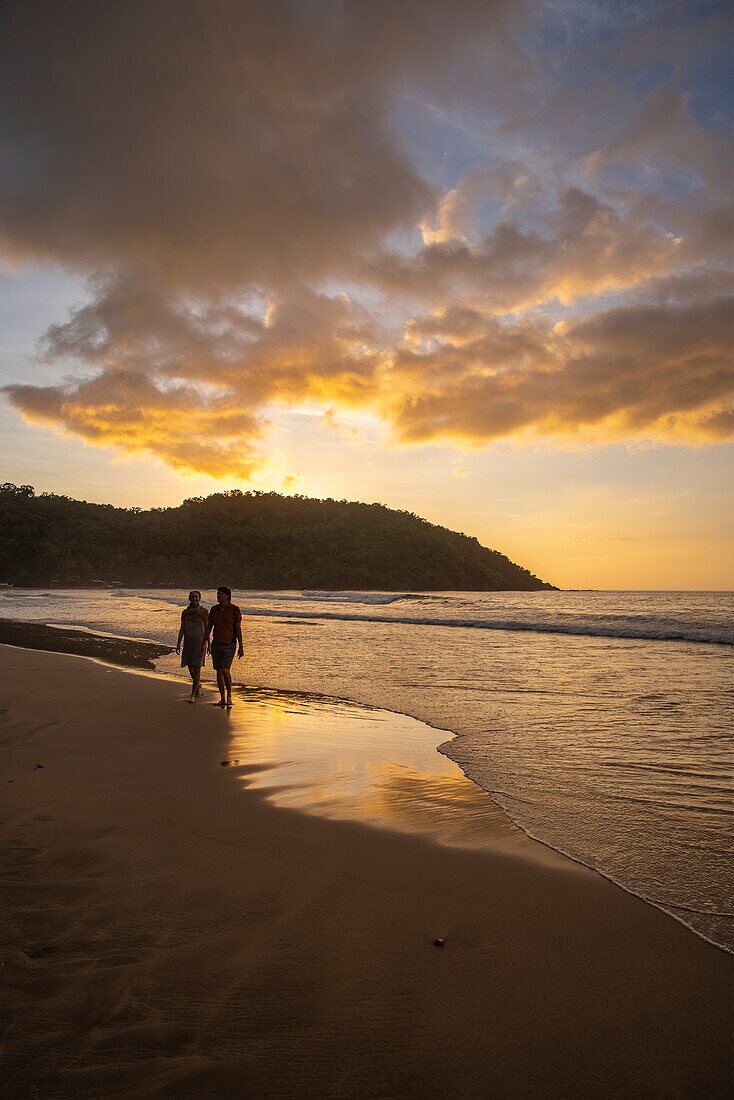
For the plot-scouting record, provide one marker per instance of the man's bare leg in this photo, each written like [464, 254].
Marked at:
[222, 685]
[228, 685]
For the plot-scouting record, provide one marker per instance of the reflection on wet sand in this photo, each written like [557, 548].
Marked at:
[350, 762]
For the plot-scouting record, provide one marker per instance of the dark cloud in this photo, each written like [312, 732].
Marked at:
[215, 142]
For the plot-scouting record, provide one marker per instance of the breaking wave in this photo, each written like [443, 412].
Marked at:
[662, 632]
[370, 598]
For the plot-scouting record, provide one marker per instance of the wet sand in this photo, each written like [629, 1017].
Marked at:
[130, 652]
[168, 930]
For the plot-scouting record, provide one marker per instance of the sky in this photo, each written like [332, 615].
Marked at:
[474, 260]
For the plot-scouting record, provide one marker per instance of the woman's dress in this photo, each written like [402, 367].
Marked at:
[192, 653]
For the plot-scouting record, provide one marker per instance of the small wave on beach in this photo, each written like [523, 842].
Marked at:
[376, 598]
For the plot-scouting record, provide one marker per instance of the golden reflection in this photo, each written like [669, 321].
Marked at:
[354, 763]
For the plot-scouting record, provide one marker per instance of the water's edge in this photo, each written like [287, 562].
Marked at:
[445, 749]
[130, 653]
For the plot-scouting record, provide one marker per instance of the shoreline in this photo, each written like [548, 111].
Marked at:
[141, 654]
[138, 656]
[169, 933]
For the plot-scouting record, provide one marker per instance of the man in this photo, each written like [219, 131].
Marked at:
[225, 628]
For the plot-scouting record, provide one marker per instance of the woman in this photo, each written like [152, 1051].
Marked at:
[194, 620]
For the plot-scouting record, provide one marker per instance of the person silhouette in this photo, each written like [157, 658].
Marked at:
[225, 629]
[193, 634]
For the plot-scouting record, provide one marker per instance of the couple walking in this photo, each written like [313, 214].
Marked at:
[223, 625]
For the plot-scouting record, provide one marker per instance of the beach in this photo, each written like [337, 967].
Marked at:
[169, 931]
[601, 723]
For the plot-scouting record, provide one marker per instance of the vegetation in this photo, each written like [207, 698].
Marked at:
[247, 540]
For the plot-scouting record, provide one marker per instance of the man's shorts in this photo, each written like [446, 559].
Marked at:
[222, 654]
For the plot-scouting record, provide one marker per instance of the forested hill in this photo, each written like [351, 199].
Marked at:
[245, 540]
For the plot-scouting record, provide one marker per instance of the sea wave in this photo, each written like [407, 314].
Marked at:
[370, 598]
[11, 594]
[634, 626]
[362, 597]
[662, 632]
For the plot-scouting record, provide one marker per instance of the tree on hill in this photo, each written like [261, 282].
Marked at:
[253, 539]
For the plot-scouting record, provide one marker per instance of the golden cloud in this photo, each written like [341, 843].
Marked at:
[645, 371]
[126, 411]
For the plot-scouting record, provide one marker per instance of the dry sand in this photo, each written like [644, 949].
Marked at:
[167, 933]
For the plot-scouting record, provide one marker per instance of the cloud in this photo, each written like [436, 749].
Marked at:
[263, 222]
[215, 144]
[659, 367]
[273, 351]
[174, 376]
[456, 209]
[583, 247]
[639, 371]
[662, 131]
[125, 410]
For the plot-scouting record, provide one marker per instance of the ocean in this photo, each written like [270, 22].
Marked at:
[600, 722]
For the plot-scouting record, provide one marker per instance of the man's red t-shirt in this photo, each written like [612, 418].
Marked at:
[224, 620]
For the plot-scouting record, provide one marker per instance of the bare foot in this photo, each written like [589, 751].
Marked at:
[220, 703]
